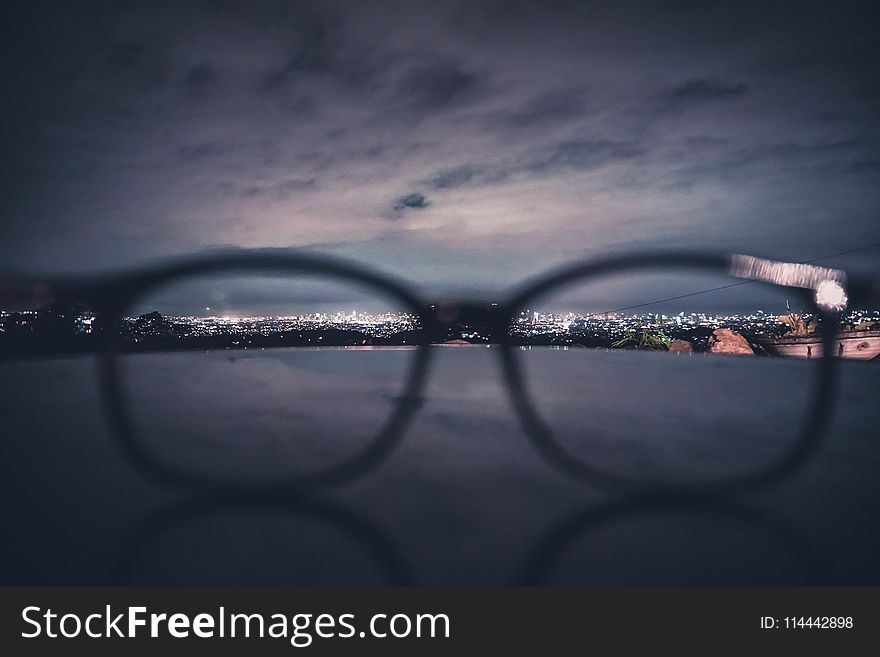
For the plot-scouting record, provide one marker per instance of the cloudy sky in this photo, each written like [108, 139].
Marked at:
[464, 145]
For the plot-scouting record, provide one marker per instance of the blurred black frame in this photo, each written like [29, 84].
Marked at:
[111, 296]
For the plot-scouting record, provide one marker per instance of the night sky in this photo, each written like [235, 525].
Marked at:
[463, 145]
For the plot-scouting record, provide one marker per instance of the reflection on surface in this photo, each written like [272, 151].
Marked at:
[670, 417]
[260, 416]
[253, 540]
[263, 415]
[673, 539]
[464, 499]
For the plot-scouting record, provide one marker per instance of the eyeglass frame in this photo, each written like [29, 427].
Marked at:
[110, 296]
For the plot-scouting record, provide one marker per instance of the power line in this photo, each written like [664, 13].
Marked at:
[834, 255]
[738, 283]
[680, 296]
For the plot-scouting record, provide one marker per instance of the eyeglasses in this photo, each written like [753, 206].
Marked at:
[278, 369]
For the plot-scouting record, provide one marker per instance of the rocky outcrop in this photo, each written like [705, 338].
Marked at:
[681, 346]
[728, 341]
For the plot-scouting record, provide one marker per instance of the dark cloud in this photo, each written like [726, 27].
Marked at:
[316, 53]
[455, 177]
[584, 155]
[803, 155]
[551, 107]
[437, 84]
[317, 49]
[538, 128]
[202, 151]
[411, 201]
[201, 78]
[574, 155]
[828, 164]
[270, 190]
[296, 185]
[704, 90]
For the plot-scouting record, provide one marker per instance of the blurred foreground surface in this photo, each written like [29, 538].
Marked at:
[464, 500]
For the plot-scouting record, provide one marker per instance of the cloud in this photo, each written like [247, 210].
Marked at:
[583, 155]
[553, 107]
[283, 190]
[295, 185]
[202, 150]
[542, 128]
[435, 85]
[201, 78]
[318, 51]
[411, 201]
[572, 155]
[704, 90]
[455, 177]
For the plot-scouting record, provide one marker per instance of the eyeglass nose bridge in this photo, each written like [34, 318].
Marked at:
[467, 319]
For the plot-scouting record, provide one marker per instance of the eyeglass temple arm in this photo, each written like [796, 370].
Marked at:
[861, 291]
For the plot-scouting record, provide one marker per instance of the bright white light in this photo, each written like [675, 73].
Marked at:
[830, 295]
